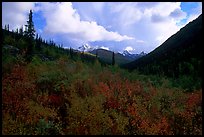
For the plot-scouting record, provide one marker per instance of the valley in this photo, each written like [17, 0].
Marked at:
[50, 90]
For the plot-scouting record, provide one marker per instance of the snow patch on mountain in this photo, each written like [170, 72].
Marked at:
[86, 48]
[126, 53]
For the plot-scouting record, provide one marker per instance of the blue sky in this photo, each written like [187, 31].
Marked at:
[117, 26]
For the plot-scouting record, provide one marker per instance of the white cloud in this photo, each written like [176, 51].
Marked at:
[15, 13]
[152, 22]
[156, 18]
[149, 21]
[140, 41]
[178, 14]
[65, 19]
[127, 11]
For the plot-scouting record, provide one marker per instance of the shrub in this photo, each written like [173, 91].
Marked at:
[45, 128]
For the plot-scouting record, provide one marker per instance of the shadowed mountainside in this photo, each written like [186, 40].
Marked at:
[179, 55]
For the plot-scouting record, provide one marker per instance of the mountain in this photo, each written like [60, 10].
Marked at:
[180, 54]
[86, 48]
[105, 56]
[133, 56]
[126, 53]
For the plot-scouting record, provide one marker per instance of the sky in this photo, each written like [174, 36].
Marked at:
[116, 26]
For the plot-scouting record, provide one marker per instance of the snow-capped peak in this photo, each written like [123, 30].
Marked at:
[142, 53]
[85, 47]
[126, 53]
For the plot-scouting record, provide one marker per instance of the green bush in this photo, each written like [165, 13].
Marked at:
[187, 82]
[8, 62]
[46, 128]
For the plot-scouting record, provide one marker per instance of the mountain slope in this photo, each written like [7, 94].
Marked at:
[180, 54]
[106, 56]
[120, 59]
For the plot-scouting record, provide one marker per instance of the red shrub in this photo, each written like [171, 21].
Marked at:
[195, 99]
[112, 104]
[55, 100]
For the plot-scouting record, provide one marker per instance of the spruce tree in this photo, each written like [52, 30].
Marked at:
[96, 53]
[30, 34]
[30, 30]
[113, 59]
[8, 27]
[17, 32]
[21, 31]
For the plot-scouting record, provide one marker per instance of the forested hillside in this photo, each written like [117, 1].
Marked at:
[179, 55]
[48, 90]
[105, 56]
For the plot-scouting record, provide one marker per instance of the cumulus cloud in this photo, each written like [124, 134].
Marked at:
[16, 13]
[143, 25]
[127, 12]
[154, 24]
[156, 18]
[65, 19]
[178, 14]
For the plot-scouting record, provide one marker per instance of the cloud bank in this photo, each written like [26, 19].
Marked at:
[63, 18]
[140, 25]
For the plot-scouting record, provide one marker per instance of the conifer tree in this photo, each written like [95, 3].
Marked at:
[113, 59]
[71, 52]
[96, 53]
[30, 30]
[21, 31]
[17, 32]
[30, 34]
[8, 27]
[5, 27]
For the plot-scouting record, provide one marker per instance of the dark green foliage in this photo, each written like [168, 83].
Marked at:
[71, 52]
[38, 43]
[8, 61]
[21, 31]
[29, 34]
[46, 128]
[30, 30]
[113, 59]
[6, 27]
[105, 57]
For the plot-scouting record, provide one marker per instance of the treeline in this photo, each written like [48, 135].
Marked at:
[26, 44]
[30, 44]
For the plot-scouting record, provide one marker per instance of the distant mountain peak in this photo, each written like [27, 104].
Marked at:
[125, 53]
[86, 48]
[143, 53]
